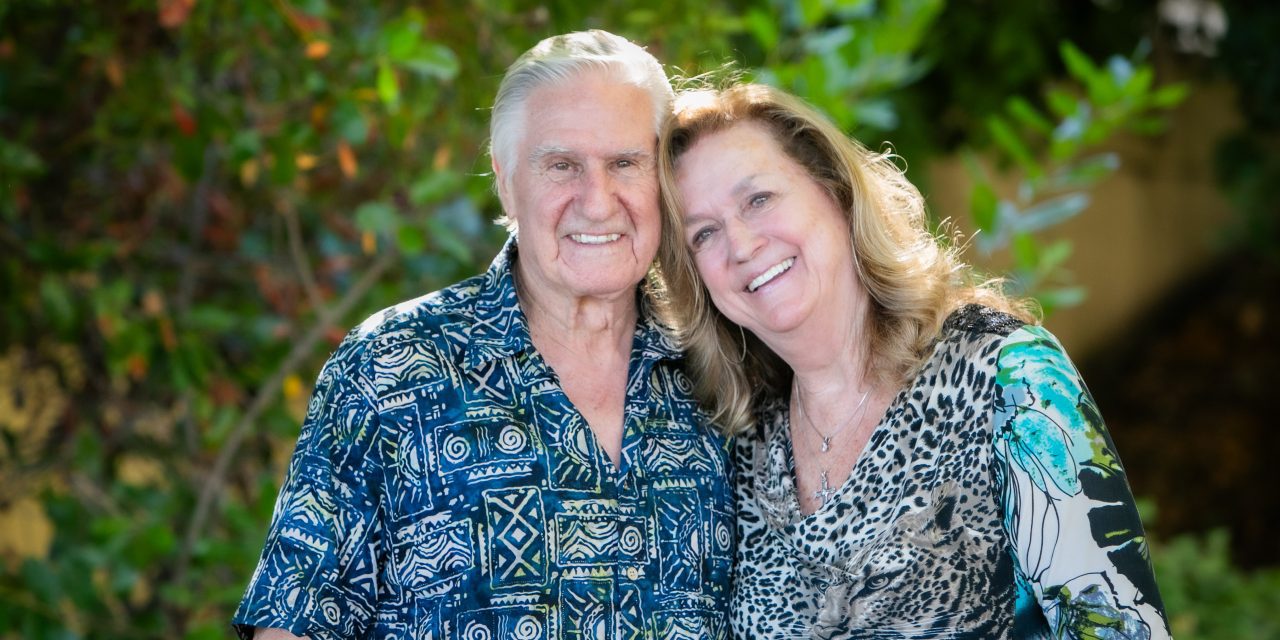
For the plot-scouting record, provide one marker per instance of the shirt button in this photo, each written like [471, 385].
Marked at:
[633, 573]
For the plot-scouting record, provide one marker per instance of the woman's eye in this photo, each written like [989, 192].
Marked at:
[626, 164]
[701, 237]
[758, 200]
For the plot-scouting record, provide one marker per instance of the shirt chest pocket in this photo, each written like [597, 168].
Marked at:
[671, 450]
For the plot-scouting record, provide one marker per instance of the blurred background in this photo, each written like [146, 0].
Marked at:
[198, 199]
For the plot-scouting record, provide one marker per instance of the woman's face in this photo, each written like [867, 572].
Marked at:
[771, 245]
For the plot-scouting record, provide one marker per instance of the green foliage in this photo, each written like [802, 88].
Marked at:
[1205, 595]
[1055, 150]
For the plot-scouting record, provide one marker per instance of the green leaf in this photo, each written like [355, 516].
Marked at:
[1055, 255]
[58, 302]
[349, 122]
[811, 12]
[433, 60]
[1085, 172]
[763, 27]
[1078, 64]
[411, 240]
[376, 217]
[1026, 251]
[1009, 141]
[1061, 298]
[982, 206]
[1053, 211]
[447, 239]
[1029, 116]
[388, 85]
[434, 186]
[1169, 95]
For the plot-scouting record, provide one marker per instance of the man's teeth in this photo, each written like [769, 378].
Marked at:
[585, 238]
[773, 272]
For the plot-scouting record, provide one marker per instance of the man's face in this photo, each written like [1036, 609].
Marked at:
[584, 190]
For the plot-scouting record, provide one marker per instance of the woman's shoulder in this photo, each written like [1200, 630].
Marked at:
[978, 319]
[976, 332]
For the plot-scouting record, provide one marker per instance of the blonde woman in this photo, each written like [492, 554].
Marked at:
[917, 458]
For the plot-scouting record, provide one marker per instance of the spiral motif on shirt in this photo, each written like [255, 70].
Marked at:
[631, 541]
[331, 611]
[512, 439]
[456, 449]
[724, 537]
[477, 631]
[527, 628]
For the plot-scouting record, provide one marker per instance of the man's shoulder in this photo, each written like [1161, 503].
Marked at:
[438, 315]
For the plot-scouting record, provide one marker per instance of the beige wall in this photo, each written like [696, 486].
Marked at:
[1153, 223]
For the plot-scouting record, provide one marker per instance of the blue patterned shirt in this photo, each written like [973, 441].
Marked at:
[443, 486]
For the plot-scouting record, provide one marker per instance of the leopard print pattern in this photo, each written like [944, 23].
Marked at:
[912, 546]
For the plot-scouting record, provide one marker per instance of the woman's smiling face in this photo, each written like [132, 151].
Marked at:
[770, 243]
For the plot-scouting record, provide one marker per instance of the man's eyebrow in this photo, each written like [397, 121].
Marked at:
[550, 150]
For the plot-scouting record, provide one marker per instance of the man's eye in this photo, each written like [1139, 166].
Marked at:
[625, 164]
[560, 166]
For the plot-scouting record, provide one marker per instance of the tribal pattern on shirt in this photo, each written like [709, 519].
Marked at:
[444, 487]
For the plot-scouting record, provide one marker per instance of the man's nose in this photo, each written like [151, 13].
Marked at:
[599, 195]
[744, 242]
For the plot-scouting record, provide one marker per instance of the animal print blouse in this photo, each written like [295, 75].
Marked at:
[989, 503]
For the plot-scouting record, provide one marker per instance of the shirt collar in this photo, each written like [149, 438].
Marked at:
[501, 331]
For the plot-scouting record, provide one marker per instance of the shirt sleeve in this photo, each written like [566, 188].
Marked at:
[317, 575]
[1081, 553]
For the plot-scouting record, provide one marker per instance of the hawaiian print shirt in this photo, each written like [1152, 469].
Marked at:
[443, 486]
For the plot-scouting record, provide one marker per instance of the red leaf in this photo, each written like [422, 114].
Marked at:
[185, 121]
[174, 13]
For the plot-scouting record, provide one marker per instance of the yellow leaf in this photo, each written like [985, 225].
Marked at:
[317, 49]
[305, 161]
[25, 531]
[249, 172]
[138, 471]
[369, 243]
[441, 159]
[114, 70]
[347, 160]
[292, 386]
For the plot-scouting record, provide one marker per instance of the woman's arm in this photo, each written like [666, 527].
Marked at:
[1081, 552]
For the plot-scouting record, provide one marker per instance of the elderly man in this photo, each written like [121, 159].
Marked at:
[517, 455]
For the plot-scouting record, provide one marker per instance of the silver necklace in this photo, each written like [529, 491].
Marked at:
[827, 491]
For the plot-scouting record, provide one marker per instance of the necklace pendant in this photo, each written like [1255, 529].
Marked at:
[826, 446]
[825, 492]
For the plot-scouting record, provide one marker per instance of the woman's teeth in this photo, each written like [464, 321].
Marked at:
[773, 272]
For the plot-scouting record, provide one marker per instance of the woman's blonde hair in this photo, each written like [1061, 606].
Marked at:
[913, 279]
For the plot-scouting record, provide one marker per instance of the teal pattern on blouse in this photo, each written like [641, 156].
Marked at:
[1093, 582]
[444, 487]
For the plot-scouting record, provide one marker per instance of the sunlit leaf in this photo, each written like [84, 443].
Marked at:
[388, 85]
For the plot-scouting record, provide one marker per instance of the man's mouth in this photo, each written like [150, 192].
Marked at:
[773, 272]
[587, 238]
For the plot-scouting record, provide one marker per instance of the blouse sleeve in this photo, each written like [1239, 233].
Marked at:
[317, 575]
[1081, 553]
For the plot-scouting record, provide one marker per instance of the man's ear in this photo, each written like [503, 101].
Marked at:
[500, 182]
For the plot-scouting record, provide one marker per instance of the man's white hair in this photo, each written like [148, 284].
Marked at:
[558, 59]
